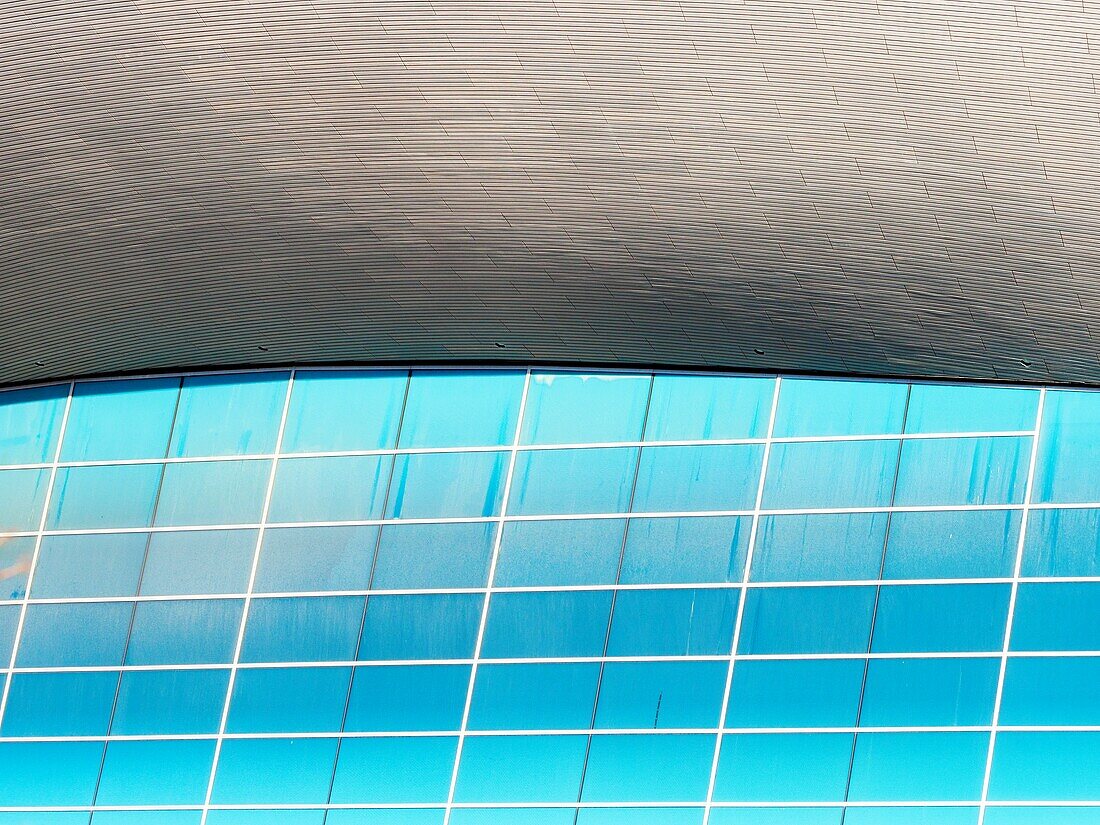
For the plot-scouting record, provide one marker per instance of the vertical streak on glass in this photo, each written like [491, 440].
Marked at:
[741, 600]
[247, 600]
[488, 591]
[37, 547]
[1021, 544]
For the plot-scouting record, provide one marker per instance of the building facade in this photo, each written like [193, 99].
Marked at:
[559, 597]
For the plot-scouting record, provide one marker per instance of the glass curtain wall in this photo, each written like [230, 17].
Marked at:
[484, 597]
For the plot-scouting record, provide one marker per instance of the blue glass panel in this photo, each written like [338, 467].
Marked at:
[22, 494]
[458, 408]
[1057, 616]
[316, 558]
[394, 770]
[29, 423]
[431, 626]
[45, 818]
[954, 544]
[90, 497]
[783, 767]
[111, 420]
[807, 620]
[1048, 816]
[49, 773]
[302, 629]
[447, 485]
[513, 816]
[340, 488]
[678, 622]
[434, 555]
[184, 632]
[408, 697]
[156, 773]
[820, 547]
[268, 816]
[918, 766]
[963, 471]
[912, 815]
[82, 635]
[941, 617]
[1059, 765]
[570, 408]
[795, 694]
[777, 816]
[1067, 467]
[213, 492]
[534, 696]
[684, 479]
[521, 769]
[946, 408]
[1062, 543]
[836, 474]
[572, 481]
[929, 692]
[830, 407]
[334, 410]
[149, 818]
[9, 618]
[705, 407]
[78, 566]
[551, 624]
[388, 816]
[574, 551]
[170, 701]
[1051, 691]
[229, 414]
[640, 816]
[198, 562]
[60, 704]
[648, 767]
[291, 700]
[16, 557]
[636, 695]
[687, 549]
[274, 771]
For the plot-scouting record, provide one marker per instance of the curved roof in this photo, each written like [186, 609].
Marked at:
[894, 188]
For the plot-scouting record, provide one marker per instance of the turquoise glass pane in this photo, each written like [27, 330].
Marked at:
[335, 410]
[97, 497]
[679, 622]
[837, 474]
[795, 693]
[1062, 543]
[953, 544]
[640, 816]
[316, 558]
[111, 420]
[912, 815]
[1057, 616]
[708, 407]
[274, 771]
[184, 632]
[22, 495]
[930, 692]
[212, 492]
[156, 773]
[29, 423]
[170, 701]
[433, 555]
[571, 408]
[547, 482]
[302, 629]
[685, 549]
[429, 626]
[49, 773]
[963, 471]
[574, 551]
[342, 488]
[460, 408]
[1067, 467]
[16, 555]
[548, 624]
[442, 485]
[60, 704]
[941, 618]
[521, 769]
[1051, 690]
[918, 766]
[641, 695]
[807, 620]
[198, 561]
[511, 816]
[84, 634]
[821, 547]
[686, 479]
[777, 816]
[229, 414]
[829, 407]
[648, 767]
[407, 698]
[100, 564]
[783, 767]
[947, 408]
[1041, 765]
[394, 770]
[534, 696]
[1063, 815]
[289, 699]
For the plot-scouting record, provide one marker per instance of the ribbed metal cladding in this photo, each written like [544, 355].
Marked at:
[894, 188]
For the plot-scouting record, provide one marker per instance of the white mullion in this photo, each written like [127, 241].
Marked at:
[38, 536]
[488, 593]
[247, 600]
[741, 601]
[1017, 568]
